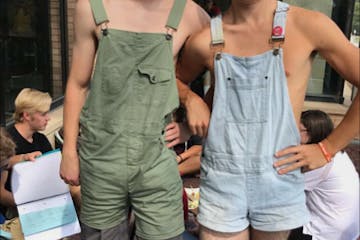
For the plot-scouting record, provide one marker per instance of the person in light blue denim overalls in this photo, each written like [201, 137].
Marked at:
[251, 119]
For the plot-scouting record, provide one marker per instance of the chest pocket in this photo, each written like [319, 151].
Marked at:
[247, 96]
[153, 85]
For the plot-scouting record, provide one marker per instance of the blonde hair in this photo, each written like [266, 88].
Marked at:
[7, 147]
[31, 101]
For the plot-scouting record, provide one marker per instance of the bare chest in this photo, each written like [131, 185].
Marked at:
[144, 17]
[138, 16]
[297, 52]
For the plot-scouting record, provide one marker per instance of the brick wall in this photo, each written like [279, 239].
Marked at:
[56, 42]
[56, 121]
[55, 46]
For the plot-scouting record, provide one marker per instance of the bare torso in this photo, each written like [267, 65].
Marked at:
[248, 34]
[298, 51]
[151, 16]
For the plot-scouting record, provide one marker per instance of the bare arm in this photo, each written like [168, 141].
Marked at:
[344, 57]
[193, 60]
[23, 157]
[77, 86]
[190, 160]
[330, 42]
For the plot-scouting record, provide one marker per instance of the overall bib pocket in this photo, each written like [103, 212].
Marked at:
[153, 85]
[246, 99]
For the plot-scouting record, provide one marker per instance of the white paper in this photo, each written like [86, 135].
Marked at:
[39, 191]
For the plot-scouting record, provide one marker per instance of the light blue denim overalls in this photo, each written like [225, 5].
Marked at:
[251, 119]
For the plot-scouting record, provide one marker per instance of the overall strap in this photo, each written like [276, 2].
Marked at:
[278, 31]
[99, 12]
[176, 14]
[217, 36]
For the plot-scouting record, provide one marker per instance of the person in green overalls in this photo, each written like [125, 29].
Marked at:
[120, 95]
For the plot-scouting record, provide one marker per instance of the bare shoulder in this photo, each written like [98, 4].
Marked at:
[315, 26]
[198, 46]
[201, 39]
[195, 18]
[84, 18]
[83, 7]
[306, 18]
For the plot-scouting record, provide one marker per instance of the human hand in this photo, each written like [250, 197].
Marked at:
[69, 168]
[176, 133]
[31, 156]
[308, 157]
[193, 151]
[23, 157]
[198, 115]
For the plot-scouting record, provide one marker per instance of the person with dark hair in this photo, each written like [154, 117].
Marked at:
[318, 126]
[332, 191]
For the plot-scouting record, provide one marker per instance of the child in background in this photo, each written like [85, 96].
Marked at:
[332, 191]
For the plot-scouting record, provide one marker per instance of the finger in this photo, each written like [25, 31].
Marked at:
[290, 167]
[73, 182]
[76, 183]
[199, 131]
[37, 153]
[170, 126]
[171, 134]
[288, 160]
[205, 131]
[178, 158]
[286, 151]
[172, 143]
[193, 130]
[172, 139]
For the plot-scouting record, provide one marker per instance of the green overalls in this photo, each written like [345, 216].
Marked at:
[123, 157]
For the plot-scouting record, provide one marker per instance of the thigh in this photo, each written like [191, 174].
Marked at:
[260, 235]
[208, 234]
[119, 232]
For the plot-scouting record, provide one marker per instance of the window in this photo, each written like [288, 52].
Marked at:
[24, 50]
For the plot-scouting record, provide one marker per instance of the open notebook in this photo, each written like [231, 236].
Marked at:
[43, 200]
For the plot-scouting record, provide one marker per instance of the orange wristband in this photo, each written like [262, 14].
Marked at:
[326, 154]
